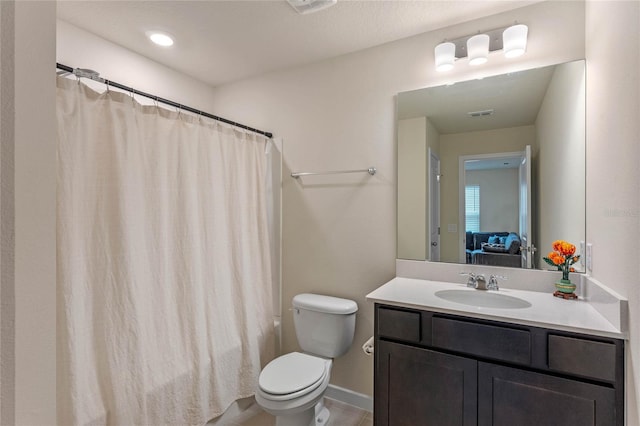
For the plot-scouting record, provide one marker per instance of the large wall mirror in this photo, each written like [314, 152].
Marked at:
[492, 171]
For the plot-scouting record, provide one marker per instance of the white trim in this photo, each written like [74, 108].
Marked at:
[461, 185]
[433, 155]
[347, 396]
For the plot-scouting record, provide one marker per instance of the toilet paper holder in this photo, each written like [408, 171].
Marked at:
[367, 348]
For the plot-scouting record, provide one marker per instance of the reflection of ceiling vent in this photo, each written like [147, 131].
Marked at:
[309, 6]
[484, 113]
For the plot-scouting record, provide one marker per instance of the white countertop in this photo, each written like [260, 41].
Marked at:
[546, 311]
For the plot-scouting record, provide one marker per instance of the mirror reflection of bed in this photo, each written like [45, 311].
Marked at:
[532, 120]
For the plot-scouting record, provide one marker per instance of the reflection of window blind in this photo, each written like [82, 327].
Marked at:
[472, 208]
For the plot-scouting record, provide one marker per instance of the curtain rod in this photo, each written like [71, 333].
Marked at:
[93, 75]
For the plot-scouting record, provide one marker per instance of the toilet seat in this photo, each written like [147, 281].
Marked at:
[297, 402]
[292, 375]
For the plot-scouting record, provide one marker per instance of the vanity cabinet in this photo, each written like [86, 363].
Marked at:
[449, 381]
[509, 396]
[441, 369]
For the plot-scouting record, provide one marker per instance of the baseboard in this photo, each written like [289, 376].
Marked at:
[362, 401]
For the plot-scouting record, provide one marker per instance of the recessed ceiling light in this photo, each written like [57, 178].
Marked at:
[159, 38]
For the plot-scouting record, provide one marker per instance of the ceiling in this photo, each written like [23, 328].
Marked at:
[219, 42]
[515, 99]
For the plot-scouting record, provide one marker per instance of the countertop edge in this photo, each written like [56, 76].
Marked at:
[479, 315]
[608, 332]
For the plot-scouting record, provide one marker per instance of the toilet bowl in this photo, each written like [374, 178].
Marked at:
[292, 386]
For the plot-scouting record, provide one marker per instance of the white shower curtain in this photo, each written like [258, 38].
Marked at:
[164, 283]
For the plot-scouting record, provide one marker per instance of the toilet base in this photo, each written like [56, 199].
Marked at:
[322, 414]
[314, 416]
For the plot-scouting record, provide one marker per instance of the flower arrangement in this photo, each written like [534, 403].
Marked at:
[563, 257]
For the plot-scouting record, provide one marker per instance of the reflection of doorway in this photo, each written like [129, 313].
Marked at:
[434, 207]
[524, 180]
[495, 177]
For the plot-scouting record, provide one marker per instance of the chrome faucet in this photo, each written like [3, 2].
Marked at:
[476, 281]
[479, 282]
[493, 282]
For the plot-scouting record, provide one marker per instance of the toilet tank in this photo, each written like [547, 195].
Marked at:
[324, 324]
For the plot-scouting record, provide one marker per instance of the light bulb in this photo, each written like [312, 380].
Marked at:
[161, 39]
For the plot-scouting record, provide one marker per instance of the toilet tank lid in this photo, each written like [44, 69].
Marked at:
[326, 304]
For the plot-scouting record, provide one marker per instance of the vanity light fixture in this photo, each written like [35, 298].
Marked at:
[511, 40]
[514, 40]
[160, 38]
[478, 49]
[445, 56]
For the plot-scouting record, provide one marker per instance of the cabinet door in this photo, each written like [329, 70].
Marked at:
[508, 396]
[416, 386]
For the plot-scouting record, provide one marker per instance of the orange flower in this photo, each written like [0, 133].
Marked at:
[556, 258]
[567, 249]
[562, 257]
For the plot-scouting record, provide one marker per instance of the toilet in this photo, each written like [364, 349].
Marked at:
[292, 386]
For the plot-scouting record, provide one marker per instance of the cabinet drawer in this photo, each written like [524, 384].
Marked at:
[583, 357]
[494, 342]
[397, 324]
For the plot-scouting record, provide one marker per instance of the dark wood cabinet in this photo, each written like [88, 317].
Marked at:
[440, 369]
[449, 381]
[509, 396]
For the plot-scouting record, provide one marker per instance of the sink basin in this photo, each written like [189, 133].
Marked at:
[483, 299]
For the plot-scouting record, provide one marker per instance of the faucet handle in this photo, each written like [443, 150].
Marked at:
[493, 282]
[472, 281]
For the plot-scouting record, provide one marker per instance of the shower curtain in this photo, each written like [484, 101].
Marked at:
[164, 283]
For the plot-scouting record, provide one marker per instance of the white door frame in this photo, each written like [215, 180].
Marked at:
[524, 216]
[433, 199]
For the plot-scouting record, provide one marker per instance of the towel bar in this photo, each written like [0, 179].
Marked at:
[370, 170]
